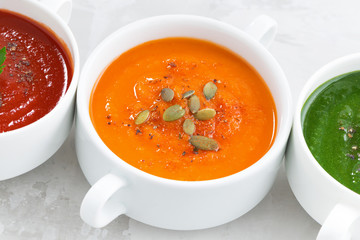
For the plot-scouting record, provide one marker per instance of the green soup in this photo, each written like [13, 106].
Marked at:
[331, 126]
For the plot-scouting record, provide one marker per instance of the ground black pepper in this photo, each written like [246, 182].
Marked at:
[172, 64]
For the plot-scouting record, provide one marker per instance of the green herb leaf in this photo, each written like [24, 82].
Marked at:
[2, 58]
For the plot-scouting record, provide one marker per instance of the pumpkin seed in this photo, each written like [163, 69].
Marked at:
[205, 114]
[142, 117]
[209, 90]
[194, 104]
[167, 94]
[188, 94]
[173, 113]
[204, 143]
[189, 127]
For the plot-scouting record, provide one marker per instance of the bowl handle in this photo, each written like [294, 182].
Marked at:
[100, 206]
[263, 29]
[60, 7]
[339, 223]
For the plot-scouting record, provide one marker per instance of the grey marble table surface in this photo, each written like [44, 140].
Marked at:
[44, 203]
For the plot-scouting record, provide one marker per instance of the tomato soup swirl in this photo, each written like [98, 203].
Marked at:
[37, 71]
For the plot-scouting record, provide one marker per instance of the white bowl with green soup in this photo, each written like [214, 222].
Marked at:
[323, 155]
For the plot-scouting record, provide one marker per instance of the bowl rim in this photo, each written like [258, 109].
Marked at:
[283, 128]
[316, 80]
[73, 52]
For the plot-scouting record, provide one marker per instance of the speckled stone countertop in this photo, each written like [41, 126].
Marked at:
[44, 203]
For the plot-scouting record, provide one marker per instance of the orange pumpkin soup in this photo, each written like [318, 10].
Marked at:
[143, 108]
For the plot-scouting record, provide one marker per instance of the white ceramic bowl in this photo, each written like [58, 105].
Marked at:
[118, 188]
[330, 203]
[25, 148]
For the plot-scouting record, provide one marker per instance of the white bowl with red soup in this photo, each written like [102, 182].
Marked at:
[39, 71]
[182, 122]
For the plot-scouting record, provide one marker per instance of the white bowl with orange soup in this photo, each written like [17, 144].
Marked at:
[182, 122]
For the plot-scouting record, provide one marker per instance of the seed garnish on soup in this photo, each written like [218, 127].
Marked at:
[184, 109]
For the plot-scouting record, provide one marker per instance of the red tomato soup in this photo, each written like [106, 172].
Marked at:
[37, 71]
[143, 108]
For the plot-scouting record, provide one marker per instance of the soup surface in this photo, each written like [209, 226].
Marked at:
[331, 126]
[37, 71]
[130, 114]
